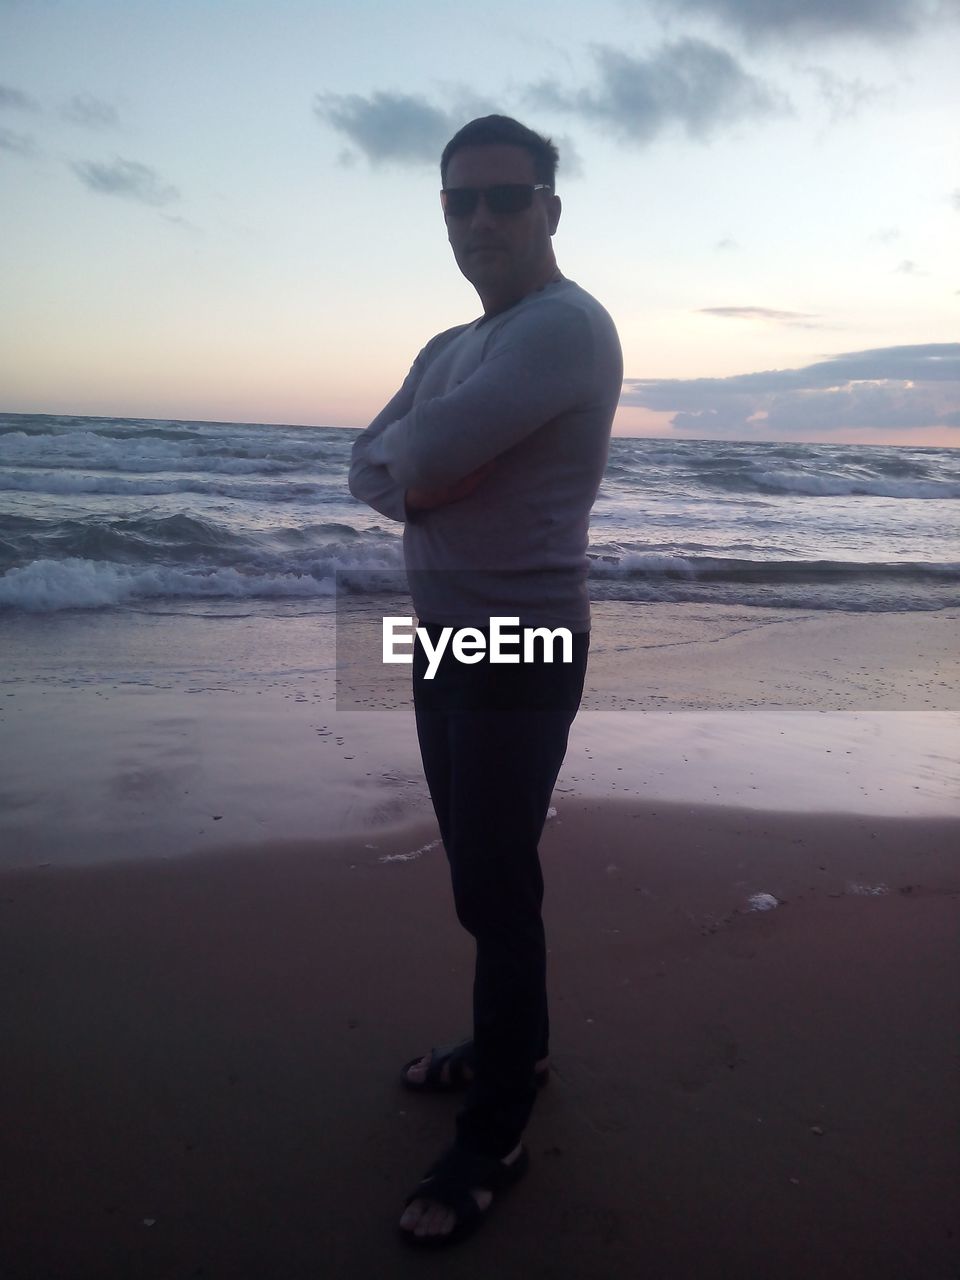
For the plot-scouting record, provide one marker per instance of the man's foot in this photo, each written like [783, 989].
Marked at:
[455, 1070]
[425, 1218]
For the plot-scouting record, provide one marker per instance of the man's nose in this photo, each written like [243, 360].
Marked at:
[481, 216]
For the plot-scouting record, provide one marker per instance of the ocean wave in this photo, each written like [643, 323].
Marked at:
[47, 586]
[707, 569]
[76, 583]
[252, 453]
[183, 539]
[652, 563]
[66, 483]
[738, 469]
[51, 585]
[140, 509]
[827, 485]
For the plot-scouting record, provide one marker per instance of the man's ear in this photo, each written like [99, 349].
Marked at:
[554, 209]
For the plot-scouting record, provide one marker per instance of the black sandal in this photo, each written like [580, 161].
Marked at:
[458, 1056]
[450, 1182]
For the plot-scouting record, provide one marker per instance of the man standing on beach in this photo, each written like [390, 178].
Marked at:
[491, 453]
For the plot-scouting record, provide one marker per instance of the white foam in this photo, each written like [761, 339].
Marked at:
[71, 482]
[408, 857]
[825, 484]
[48, 585]
[263, 454]
[644, 561]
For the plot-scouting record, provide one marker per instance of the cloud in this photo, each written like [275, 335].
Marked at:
[408, 130]
[886, 235]
[819, 19]
[908, 268]
[16, 100]
[871, 405]
[955, 199]
[883, 388]
[793, 319]
[726, 243]
[126, 178]
[570, 164]
[687, 83]
[844, 98]
[389, 126]
[19, 144]
[89, 111]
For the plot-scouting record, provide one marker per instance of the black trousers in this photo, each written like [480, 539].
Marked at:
[492, 739]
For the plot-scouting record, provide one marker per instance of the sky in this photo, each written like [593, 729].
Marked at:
[228, 209]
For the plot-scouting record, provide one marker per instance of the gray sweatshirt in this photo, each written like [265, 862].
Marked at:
[535, 388]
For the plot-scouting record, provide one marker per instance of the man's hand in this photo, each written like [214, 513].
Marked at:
[425, 499]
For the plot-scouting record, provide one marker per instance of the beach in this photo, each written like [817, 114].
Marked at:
[302, 366]
[227, 921]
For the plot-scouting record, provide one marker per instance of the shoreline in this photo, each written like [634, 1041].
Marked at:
[151, 734]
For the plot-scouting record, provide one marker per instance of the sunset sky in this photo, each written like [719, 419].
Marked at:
[229, 210]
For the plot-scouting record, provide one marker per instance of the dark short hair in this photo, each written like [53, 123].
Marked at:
[504, 131]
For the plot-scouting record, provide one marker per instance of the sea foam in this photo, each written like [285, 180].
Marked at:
[49, 585]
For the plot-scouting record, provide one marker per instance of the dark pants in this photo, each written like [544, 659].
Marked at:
[493, 738]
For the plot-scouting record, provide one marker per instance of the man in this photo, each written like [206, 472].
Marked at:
[492, 453]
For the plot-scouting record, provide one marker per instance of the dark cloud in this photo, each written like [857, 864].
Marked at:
[389, 126]
[89, 111]
[126, 178]
[400, 128]
[688, 83]
[866, 404]
[16, 100]
[909, 268]
[818, 19]
[884, 388]
[793, 319]
[570, 164]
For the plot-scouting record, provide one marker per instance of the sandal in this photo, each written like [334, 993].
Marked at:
[457, 1056]
[450, 1182]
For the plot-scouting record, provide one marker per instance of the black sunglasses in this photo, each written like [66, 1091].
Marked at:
[505, 197]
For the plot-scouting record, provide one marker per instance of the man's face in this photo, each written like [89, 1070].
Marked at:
[503, 254]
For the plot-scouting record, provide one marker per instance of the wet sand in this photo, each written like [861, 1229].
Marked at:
[226, 921]
[200, 1055]
[148, 735]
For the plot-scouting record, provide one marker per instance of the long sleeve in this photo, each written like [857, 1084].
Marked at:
[539, 364]
[370, 481]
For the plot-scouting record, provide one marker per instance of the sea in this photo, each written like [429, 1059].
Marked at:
[180, 668]
[132, 514]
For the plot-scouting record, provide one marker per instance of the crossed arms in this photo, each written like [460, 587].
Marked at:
[538, 365]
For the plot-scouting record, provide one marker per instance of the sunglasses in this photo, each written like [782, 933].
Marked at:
[505, 197]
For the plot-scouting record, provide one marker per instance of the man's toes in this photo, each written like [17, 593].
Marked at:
[417, 1072]
[438, 1220]
[427, 1218]
[482, 1197]
[412, 1214]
